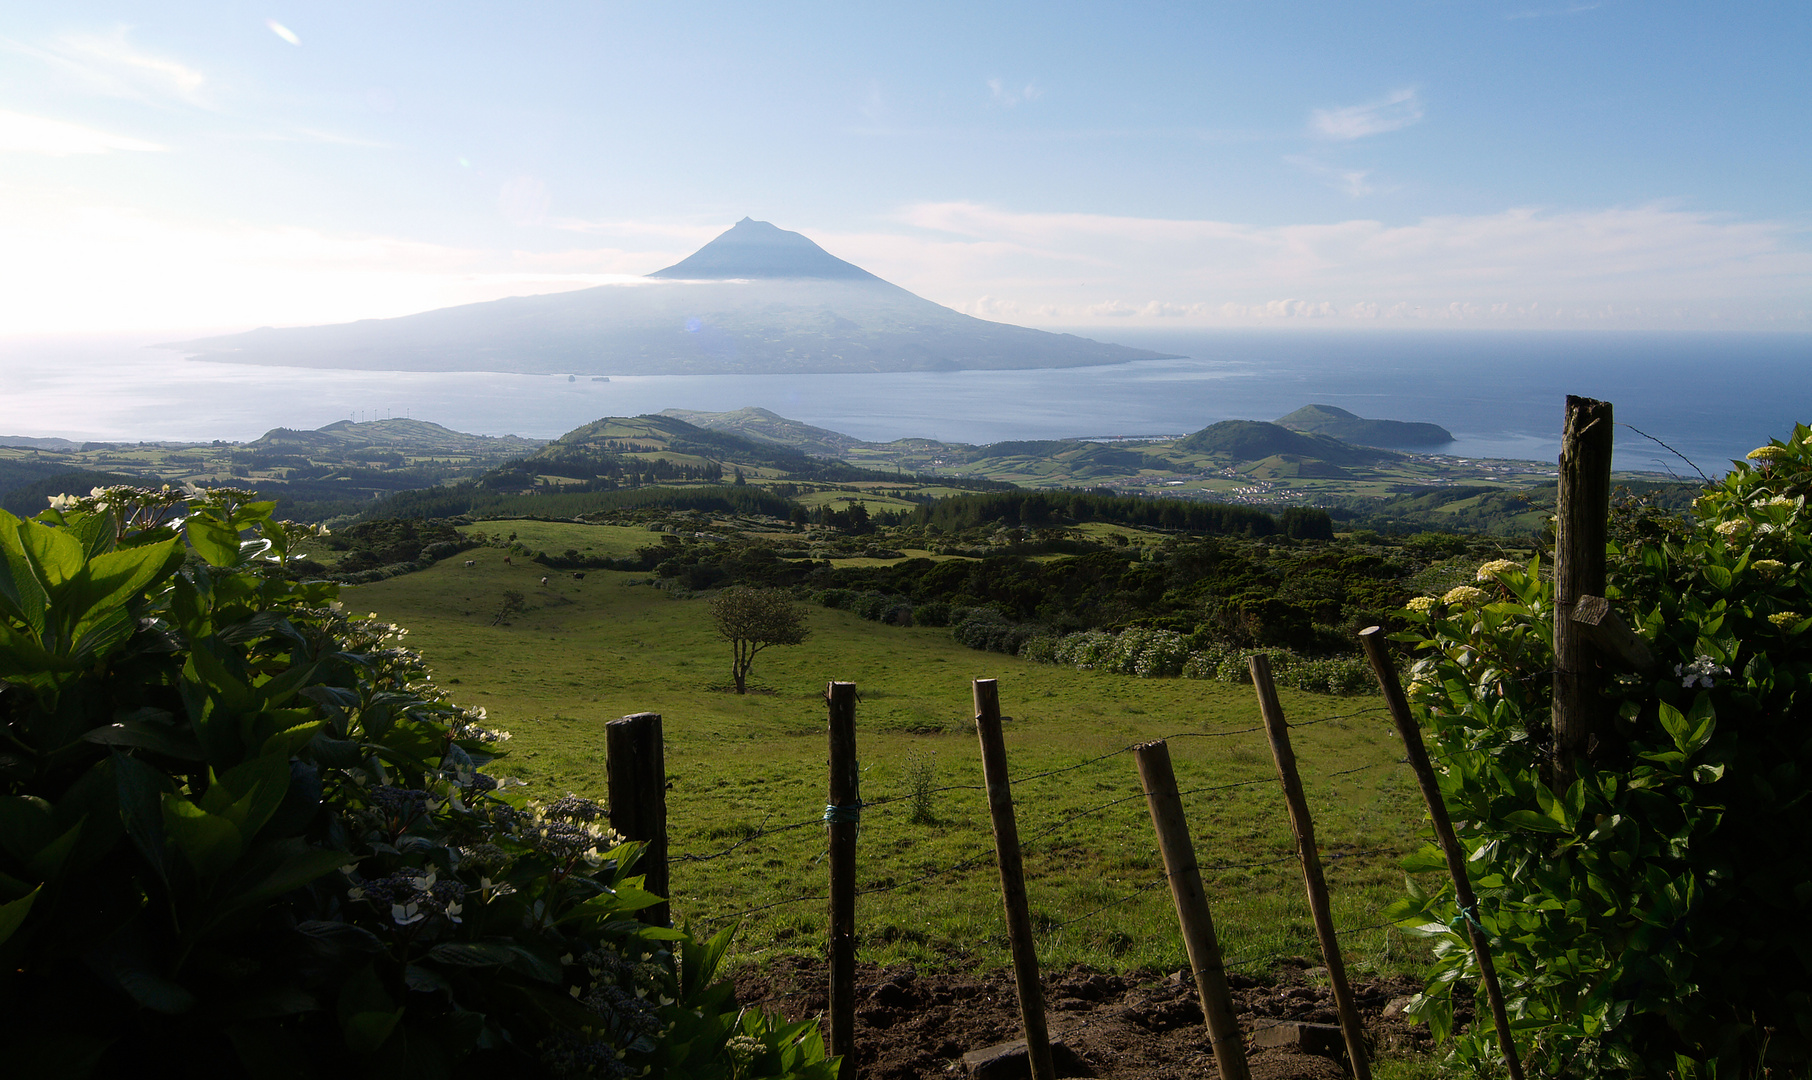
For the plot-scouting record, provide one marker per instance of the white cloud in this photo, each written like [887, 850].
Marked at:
[1645, 266]
[1395, 110]
[21, 134]
[94, 269]
[112, 65]
[78, 267]
[1354, 182]
[1011, 96]
[282, 31]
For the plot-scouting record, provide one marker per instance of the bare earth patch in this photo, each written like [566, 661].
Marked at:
[1119, 1027]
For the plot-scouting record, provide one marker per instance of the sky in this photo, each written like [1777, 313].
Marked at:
[218, 166]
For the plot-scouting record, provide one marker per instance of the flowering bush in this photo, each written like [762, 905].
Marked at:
[1149, 653]
[1655, 916]
[243, 834]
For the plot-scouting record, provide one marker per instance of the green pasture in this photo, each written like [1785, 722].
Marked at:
[555, 537]
[742, 769]
[842, 499]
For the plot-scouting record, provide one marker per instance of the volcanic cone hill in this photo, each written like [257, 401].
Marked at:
[756, 300]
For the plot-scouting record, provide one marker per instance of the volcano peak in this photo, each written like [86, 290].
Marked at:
[758, 249]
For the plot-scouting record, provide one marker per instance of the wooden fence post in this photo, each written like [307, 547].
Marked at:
[1579, 538]
[843, 813]
[1012, 879]
[1373, 640]
[1204, 949]
[1277, 729]
[635, 766]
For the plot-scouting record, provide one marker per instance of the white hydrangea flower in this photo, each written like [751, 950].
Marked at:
[1491, 570]
[1703, 671]
[1465, 596]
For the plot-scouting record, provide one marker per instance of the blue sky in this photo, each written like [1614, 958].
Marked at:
[187, 166]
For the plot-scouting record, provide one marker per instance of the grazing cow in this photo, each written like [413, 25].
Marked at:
[544, 583]
[471, 562]
[579, 577]
[506, 560]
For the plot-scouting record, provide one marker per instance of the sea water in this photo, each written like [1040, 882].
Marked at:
[1708, 396]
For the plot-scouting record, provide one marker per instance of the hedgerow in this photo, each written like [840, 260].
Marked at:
[243, 834]
[1654, 917]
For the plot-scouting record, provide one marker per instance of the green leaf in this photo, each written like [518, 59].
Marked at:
[53, 554]
[1719, 577]
[249, 793]
[212, 539]
[159, 738]
[1674, 723]
[26, 826]
[290, 741]
[280, 866]
[1534, 822]
[276, 693]
[114, 579]
[50, 858]
[141, 789]
[22, 596]
[471, 953]
[367, 1013]
[12, 916]
[210, 842]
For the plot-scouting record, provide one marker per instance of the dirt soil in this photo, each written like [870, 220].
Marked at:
[1119, 1027]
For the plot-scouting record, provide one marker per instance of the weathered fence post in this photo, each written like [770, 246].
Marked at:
[1012, 879]
[1180, 866]
[1375, 651]
[843, 812]
[1579, 538]
[1277, 729]
[635, 767]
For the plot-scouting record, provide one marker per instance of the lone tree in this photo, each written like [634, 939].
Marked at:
[751, 620]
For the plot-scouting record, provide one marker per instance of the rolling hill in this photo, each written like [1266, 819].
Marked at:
[1347, 427]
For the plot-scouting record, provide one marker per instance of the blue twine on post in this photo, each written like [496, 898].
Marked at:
[1468, 915]
[843, 815]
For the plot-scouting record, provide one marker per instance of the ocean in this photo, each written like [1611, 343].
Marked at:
[1709, 396]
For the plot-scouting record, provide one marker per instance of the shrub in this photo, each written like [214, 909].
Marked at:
[932, 613]
[1150, 654]
[1651, 917]
[870, 606]
[242, 834]
[989, 630]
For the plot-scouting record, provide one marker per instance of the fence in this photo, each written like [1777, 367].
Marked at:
[1586, 635]
[641, 791]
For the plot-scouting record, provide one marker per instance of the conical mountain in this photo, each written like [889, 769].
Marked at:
[756, 300]
[756, 249]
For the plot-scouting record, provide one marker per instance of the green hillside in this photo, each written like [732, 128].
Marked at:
[1254, 440]
[1328, 420]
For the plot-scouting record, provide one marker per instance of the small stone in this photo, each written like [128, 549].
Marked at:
[1008, 1061]
[1396, 1005]
[1322, 1040]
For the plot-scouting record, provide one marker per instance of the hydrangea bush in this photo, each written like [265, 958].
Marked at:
[1655, 917]
[1151, 653]
[243, 834]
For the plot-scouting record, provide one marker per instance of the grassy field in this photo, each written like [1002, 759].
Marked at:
[555, 537]
[740, 768]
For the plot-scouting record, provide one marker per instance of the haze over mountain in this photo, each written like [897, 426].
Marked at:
[756, 300]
